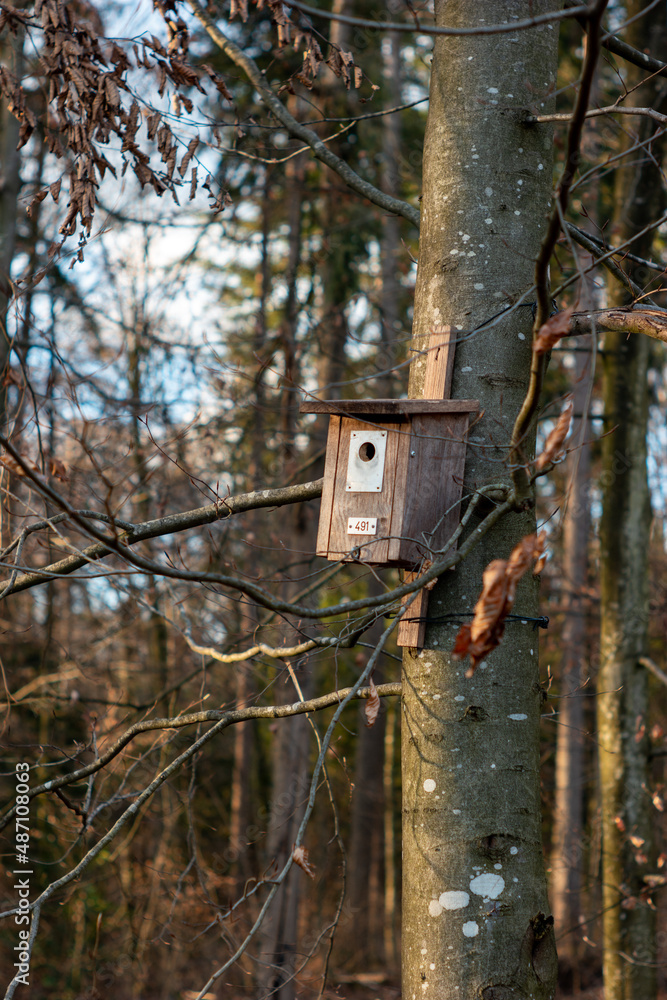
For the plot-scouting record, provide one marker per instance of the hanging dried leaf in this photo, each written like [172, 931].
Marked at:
[658, 801]
[636, 841]
[499, 581]
[58, 470]
[300, 858]
[372, 706]
[554, 443]
[552, 331]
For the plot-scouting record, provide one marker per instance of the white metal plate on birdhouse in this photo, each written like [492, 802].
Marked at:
[362, 525]
[365, 466]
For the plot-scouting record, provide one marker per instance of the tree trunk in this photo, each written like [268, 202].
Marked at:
[628, 922]
[475, 910]
[568, 848]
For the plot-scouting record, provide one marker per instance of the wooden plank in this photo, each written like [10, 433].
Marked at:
[412, 631]
[326, 504]
[370, 549]
[440, 363]
[388, 409]
[400, 492]
[435, 484]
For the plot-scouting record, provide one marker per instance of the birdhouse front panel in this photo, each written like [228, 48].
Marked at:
[393, 478]
[359, 489]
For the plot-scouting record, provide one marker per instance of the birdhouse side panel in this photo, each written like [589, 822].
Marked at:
[435, 484]
[363, 493]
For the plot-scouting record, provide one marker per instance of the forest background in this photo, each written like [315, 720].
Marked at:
[212, 214]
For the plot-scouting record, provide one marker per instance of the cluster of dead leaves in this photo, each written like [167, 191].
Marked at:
[89, 101]
[499, 582]
[299, 33]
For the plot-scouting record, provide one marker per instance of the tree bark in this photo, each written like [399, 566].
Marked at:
[475, 912]
[628, 922]
[568, 847]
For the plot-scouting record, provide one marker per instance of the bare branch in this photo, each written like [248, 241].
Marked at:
[651, 322]
[599, 112]
[218, 511]
[584, 10]
[224, 718]
[295, 128]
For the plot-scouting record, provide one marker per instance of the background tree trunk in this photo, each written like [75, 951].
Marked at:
[628, 922]
[568, 849]
[475, 911]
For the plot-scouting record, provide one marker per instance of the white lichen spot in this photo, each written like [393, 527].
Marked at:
[518, 716]
[424, 951]
[465, 237]
[434, 908]
[488, 885]
[475, 156]
[514, 850]
[510, 95]
[458, 327]
[429, 785]
[457, 812]
[454, 899]
[459, 765]
[540, 166]
[459, 697]
[453, 253]
[492, 90]
[488, 192]
[470, 929]
[531, 652]
[493, 767]
[432, 966]
[436, 697]
[522, 336]
[520, 182]
[498, 866]
[467, 368]
[488, 221]
[471, 253]
[517, 212]
[515, 880]
[478, 286]
[521, 149]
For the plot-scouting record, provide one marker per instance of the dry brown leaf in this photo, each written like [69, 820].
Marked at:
[554, 443]
[636, 841]
[495, 602]
[620, 825]
[658, 801]
[300, 858]
[58, 470]
[372, 706]
[552, 331]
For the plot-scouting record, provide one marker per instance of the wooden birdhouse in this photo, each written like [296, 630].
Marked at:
[393, 478]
